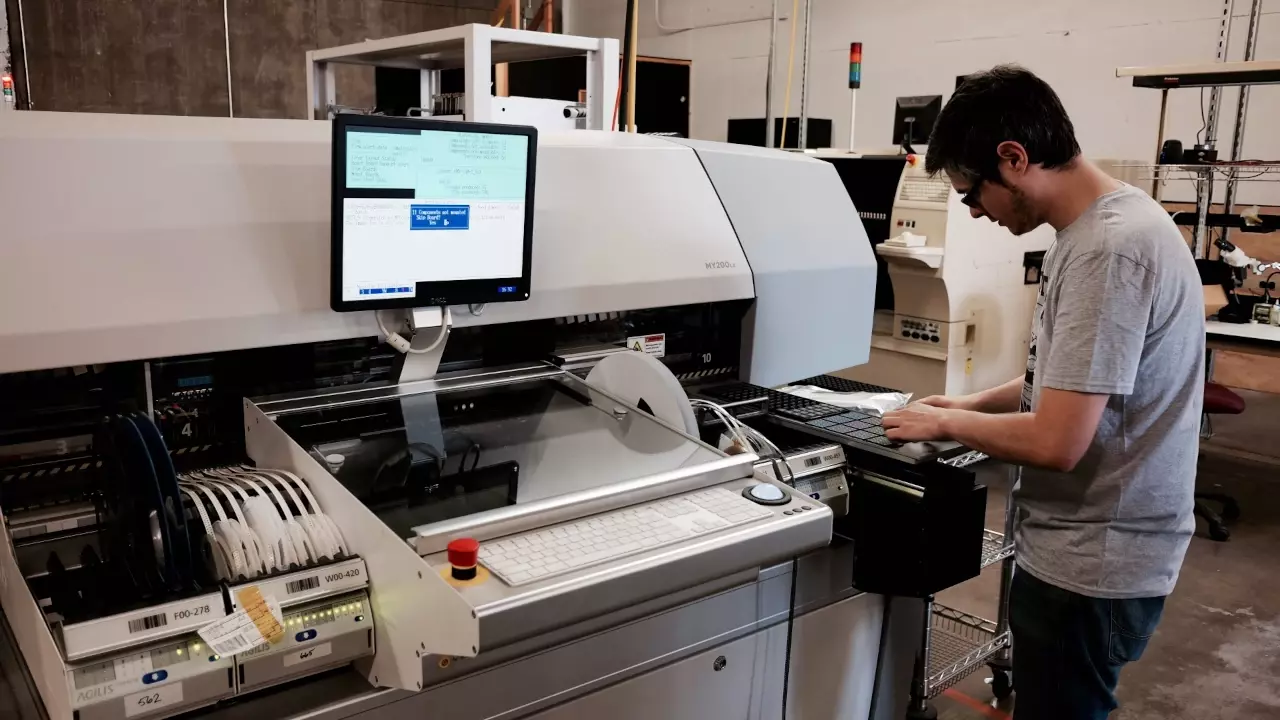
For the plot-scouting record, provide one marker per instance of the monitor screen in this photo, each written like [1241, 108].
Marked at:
[429, 212]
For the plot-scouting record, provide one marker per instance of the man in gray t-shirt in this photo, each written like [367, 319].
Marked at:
[1120, 314]
[1106, 420]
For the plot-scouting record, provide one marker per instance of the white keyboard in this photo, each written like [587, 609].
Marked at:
[564, 548]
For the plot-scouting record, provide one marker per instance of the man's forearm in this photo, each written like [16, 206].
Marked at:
[1006, 398]
[1011, 437]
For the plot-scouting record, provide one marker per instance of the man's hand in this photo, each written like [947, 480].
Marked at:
[1055, 436]
[950, 402]
[923, 420]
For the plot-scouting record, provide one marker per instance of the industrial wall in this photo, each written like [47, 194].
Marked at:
[171, 56]
[918, 48]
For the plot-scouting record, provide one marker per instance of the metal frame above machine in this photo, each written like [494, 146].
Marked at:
[473, 48]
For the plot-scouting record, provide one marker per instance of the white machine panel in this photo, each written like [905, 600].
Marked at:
[962, 312]
[147, 236]
[815, 276]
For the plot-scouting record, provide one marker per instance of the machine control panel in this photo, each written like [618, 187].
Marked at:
[172, 676]
[920, 330]
[318, 635]
[829, 488]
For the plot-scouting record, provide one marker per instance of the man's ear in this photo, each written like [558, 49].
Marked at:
[1014, 154]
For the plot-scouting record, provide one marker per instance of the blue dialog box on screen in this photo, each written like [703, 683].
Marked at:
[439, 217]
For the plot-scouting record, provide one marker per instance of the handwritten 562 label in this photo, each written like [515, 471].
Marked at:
[153, 700]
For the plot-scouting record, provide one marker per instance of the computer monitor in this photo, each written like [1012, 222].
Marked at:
[913, 119]
[429, 212]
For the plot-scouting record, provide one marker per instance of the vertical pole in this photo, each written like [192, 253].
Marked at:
[1242, 110]
[1204, 189]
[478, 103]
[313, 90]
[768, 78]
[428, 87]
[1215, 93]
[1156, 185]
[803, 139]
[920, 674]
[631, 66]
[8, 90]
[226, 46]
[853, 114]
[321, 88]
[1005, 655]
[26, 57]
[602, 84]
[500, 71]
[1204, 198]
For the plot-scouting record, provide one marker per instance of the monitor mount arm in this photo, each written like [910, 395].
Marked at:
[907, 137]
[421, 352]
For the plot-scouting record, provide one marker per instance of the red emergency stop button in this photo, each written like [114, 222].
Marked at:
[464, 555]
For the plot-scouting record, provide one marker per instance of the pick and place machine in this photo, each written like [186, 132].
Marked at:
[954, 295]
[469, 411]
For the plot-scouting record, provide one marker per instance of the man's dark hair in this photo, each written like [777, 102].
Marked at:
[1007, 102]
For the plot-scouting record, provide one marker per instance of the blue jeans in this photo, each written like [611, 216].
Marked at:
[1068, 648]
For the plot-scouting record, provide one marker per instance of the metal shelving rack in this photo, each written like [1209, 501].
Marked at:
[956, 644]
[1216, 75]
[473, 48]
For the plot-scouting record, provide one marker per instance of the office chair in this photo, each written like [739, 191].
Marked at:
[1218, 400]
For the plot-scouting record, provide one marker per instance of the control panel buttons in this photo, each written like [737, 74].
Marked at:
[155, 677]
[766, 494]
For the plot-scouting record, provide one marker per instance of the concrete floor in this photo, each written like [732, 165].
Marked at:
[1216, 654]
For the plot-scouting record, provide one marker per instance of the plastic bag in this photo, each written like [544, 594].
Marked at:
[871, 403]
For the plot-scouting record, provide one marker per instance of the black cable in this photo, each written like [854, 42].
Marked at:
[462, 463]
[1204, 121]
[791, 620]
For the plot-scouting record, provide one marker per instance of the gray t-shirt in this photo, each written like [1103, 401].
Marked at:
[1120, 313]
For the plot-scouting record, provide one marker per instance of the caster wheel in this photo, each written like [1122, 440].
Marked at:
[1001, 683]
[1218, 532]
[928, 713]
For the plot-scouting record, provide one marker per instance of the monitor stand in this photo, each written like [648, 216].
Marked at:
[424, 324]
[907, 137]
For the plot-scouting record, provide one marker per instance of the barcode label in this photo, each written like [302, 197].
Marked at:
[150, 622]
[231, 645]
[293, 587]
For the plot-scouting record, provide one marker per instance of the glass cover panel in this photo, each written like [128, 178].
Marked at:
[424, 458]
